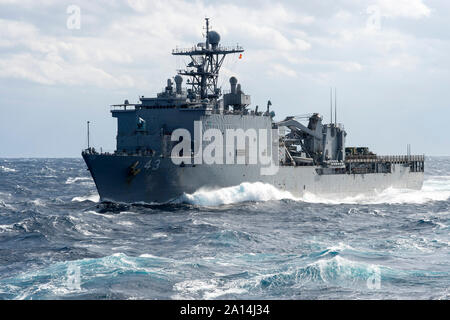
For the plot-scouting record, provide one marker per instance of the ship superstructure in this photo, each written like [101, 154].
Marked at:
[149, 165]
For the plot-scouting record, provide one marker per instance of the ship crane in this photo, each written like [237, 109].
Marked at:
[297, 126]
[315, 140]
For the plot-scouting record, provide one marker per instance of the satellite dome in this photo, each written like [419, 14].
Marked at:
[213, 37]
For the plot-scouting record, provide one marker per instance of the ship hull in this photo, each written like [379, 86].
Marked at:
[149, 179]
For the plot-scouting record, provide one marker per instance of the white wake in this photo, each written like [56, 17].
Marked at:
[436, 188]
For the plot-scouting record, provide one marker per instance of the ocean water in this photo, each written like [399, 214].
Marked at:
[250, 241]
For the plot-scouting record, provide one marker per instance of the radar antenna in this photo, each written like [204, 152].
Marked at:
[205, 64]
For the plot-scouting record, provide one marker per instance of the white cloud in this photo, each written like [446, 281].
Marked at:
[144, 38]
[28, 3]
[124, 47]
[52, 70]
[403, 8]
[302, 45]
[50, 60]
[277, 69]
[136, 44]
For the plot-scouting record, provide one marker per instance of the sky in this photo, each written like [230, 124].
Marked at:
[63, 63]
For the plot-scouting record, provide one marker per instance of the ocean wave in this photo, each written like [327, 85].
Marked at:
[73, 278]
[5, 205]
[335, 271]
[434, 189]
[6, 169]
[91, 197]
[206, 289]
[388, 196]
[244, 192]
[71, 180]
[6, 228]
[38, 202]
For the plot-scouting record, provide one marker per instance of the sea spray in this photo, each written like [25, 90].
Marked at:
[246, 191]
[434, 189]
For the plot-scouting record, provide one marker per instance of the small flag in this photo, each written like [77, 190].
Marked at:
[240, 56]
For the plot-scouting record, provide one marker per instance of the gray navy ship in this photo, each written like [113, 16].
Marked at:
[197, 137]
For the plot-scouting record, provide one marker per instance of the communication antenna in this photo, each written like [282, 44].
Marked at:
[207, 33]
[331, 104]
[88, 132]
[335, 108]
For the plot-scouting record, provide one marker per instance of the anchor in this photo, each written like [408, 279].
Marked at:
[132, 171]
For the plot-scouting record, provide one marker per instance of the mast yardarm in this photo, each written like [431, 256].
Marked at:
[206, 59]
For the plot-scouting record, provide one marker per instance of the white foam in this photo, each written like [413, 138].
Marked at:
[159, 235]
[148, 255]
[125, 223]
[6, 169]
[435, 188]
[71, 180]
[429, 192]
[246, 191]
[81, 228]
[413, 244]
[341, 246]
[6, 228]
[207, 289]
[38, 202]
[92, 198]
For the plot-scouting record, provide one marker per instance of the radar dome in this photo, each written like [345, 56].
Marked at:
[213, 37]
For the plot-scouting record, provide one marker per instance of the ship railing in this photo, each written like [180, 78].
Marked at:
[124, 107]
[201, 50]
[93, 151]
[388, 158]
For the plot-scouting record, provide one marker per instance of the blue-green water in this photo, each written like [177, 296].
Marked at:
[246, 242]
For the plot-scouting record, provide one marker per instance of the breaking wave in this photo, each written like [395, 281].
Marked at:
[434, 189]
[73, 278]
[6, 169]
[244, 192]
[335, 271]
[92, 198]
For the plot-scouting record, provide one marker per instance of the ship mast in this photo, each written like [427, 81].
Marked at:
[206, 59]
